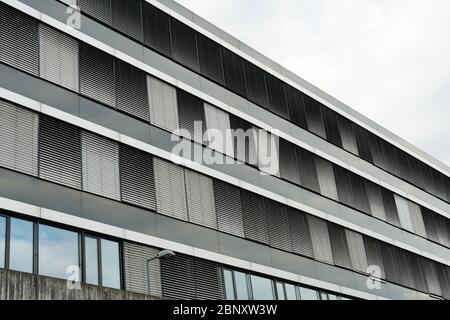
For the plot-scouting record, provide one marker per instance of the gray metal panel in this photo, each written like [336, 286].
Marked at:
[357, 251]
[278, 224]
[170, 189]
[19, 40]
[163, 104]
[320, 239]
[58, 58]
[326, 178]
[135, 258]
[200, 199]
[60, 152]
[100, 166]
[299, 230]
[137, 178]
[18, 139]
[228, 208]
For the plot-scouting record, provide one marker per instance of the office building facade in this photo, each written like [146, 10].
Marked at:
[97, 98]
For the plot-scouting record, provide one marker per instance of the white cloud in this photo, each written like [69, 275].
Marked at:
[390, 60]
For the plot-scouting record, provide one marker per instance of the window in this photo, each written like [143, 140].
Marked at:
[110, 264]
[229, 285]
[314, 117]
[256, 84]
[308, 294]
[21, 245]
[162, 100]
[191, 114]
[126, 17]
[280, 291]
[262, 288]
[91, 260]
[228, 208]
[331, 126]
[58, 250]
[277, 96]
[241, 286]
[156, 29]
[327, 181]
[290, 291]
[100, 9]
[210, 58]
[296, 105]
[184, 44]
[234, 72]
[2, 241]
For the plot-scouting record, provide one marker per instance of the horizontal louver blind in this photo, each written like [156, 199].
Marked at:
[200, 199]
[320, 239]
[268, 152]
[162, 100]
[210, 58]
[256, 84]
[244, 140]
[19, 40]
[299, 229]
[127, 17]
[277, 97]
[135, 269]
[191, 115]
[326, 178]
[331, 126]
[314, 117]
[347, 135]
[296, 105]
[360, 193]
[137, 178]
[374, 255]
[417, 219]
[218, 125]
[278, 224]
[208, 280]
[184, 44]
[99, 9]
[357, 251]
[339, 246]
[255, 220]
[308, 173]
[131, 90]
[403, 213]
[375, 200]
[429, 268]
[289, 169]
[58, 58]
[59, 152]
[157, 29]
[228, 208]
[97, 75]
[177, 277]
[234, 72]
[170, 190]
[18, 139]
[100, 166]
[390, 207]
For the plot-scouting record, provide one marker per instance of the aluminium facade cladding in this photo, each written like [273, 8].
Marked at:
[93, 126]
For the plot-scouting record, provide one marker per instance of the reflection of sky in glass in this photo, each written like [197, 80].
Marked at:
[2, 241]
[21, 256]
[91, 263]
[229, 288]
[290, 292]
[241, 286]
[110, 264]
[262, 288]
[58, 249]
[280, 291]
[308, 294]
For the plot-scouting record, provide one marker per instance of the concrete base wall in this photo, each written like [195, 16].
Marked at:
[23, 286]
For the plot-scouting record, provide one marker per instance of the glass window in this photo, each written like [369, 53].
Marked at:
[2, 241]
[21, 247]
[333, 297]
[280, 291]
[58, 250]
[91, 260]
[308, 294]
[262, 288]
[323, 296]
[110, 264]
[290, 292]
[241, 286]
[229, 287]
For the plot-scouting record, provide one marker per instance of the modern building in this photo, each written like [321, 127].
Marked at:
[91, 185]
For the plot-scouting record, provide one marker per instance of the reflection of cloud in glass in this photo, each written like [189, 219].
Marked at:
[58, 249]
[21, 256]
[2, 241]
[110, 264]
[91, 262]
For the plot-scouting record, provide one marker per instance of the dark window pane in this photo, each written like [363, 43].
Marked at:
[58, 250]
[277, 97]
[234, 72]
[390, 262]
[110, 264]
[416, 175]
[127, 17]
[184, 44]
[241, 286]
[256, 84]
[296, 105]
[229, 286]
[21, 245]
[262, 288]
[427, 178]
[91, 260]
[156, 29]
[210, 58]
[308, 174]
[314, 117]
[362, 140]
[2, 241]
[438, 185]
[331, 126]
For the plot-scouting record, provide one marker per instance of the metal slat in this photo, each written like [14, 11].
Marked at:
[209, 283]
[218, 122]
[374, 255]
[326, 178]
[288, 162]
[339, 246]
[299, 230]
[18, 138]
[58, 58]
[126, 17]
[184, 44]
[320, 239]
[162, 99]
[255, 220]
[60, 152]
[191, 111]
[403, 213]
[200, 199]
[177, 277]
[357, 251]
[100, 166]
[228, 208]
[137, 178]
[99, 9]
[19, 40]
[278, 225]
[135, 268]
[156, 29]
[170, 189]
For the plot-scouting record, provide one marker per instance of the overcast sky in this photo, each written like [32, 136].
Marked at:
[388, 59]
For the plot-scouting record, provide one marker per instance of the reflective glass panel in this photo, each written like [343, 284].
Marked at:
[110, 264]
[262, 288]
[91, 260]
[21, 247]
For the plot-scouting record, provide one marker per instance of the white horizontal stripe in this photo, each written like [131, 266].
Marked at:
[100, 45]
[87, 125]
[89, 225]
